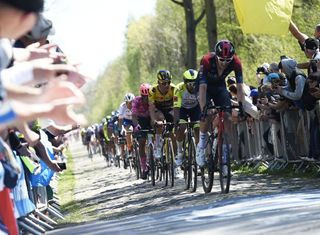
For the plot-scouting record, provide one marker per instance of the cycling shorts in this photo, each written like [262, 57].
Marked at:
[127, 122]
[193, 114]
[219, 95]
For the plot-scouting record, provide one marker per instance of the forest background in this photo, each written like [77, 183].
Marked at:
[161, 41]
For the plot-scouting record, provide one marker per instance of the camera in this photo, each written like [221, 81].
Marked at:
[62, 165]
[262, 70]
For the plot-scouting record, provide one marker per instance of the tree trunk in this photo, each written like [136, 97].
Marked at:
[211, 20]
[191, 24]
[191, 62]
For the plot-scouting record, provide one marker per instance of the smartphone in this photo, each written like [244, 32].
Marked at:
[62, 165]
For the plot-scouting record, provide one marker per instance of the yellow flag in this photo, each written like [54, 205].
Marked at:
[264, 16]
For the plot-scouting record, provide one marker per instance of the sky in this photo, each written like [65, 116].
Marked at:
[92, 32]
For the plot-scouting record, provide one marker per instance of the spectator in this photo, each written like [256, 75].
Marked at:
[296, 82]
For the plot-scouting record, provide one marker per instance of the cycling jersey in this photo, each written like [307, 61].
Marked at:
[140, 108]
[161, 101]
[216, 86]
[124, 112]
[183, 98]
[208, 73]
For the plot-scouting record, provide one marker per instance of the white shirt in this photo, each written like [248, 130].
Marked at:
[124, 112]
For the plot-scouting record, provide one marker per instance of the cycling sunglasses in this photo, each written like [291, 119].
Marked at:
[165, 83]
[228, 60]
[191, 83]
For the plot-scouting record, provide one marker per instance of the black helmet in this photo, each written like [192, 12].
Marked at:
[224, 49]
[164, 75]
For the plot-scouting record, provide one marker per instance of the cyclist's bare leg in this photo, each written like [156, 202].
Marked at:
[129, 137]
[180, 136]
[203, 132]
[142, 153]
[159, 118]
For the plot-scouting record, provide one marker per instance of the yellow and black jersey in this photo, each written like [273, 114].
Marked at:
[161, 101]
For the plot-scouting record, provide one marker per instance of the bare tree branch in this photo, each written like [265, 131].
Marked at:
[200, 17]
[177, 2]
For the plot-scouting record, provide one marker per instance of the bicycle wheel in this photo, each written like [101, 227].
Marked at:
[136, 160]
[207, 171]
[186, 164]
[151, 164]
[163, 164]
[160, 167]
[224, 164]
[193, 168]
[90, 152]
[170, 162]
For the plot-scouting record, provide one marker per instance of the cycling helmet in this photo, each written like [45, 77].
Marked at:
[224, 49]
[144, 89]
[190, 75]
[104, 120]
[128, 97]
[164, 75]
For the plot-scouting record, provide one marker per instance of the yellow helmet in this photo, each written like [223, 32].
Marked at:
[190, 75]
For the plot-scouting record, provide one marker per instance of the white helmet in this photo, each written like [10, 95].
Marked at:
[129, 97]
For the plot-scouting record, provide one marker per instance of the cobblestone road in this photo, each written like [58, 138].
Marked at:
[113, 193]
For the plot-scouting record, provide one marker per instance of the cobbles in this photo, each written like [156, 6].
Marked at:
[109, 192]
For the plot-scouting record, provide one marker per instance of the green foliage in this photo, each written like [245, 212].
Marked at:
[289, 171]
[159, 42]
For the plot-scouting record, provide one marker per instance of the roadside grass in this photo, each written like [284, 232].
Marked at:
[289, 172]
[69, 207]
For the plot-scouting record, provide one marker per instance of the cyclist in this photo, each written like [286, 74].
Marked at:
[214, 68]
[125, 121]
[141, 120]
[185, 106]
[161, 105]
[89, 140]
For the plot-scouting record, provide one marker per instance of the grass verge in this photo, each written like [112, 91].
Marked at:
[69, 207]
[290, 171]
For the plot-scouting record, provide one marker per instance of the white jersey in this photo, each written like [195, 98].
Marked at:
[124, 112]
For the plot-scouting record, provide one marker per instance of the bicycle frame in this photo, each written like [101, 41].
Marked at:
[219, 155]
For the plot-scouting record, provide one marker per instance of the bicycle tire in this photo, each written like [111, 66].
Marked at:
[151, 165]
[161, 169]
[164, 163]
[193, 171]
[137, 165]
[186, 164]
[207, 171]
[224, 175]
[170, 163]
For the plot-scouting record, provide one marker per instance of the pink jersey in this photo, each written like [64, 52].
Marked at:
[139, 108]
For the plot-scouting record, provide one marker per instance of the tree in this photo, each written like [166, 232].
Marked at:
[211, 20]
[191, 24]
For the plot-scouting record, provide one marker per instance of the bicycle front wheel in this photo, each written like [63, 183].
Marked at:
[136, 160]
[170, 162]
[151, 165]
[193, 168]
[224, 150]
[207, 171]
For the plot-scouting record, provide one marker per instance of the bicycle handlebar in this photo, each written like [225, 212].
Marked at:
[219, 108]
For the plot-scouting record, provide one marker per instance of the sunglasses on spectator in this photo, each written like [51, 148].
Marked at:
[164, 83]
[225, 59]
